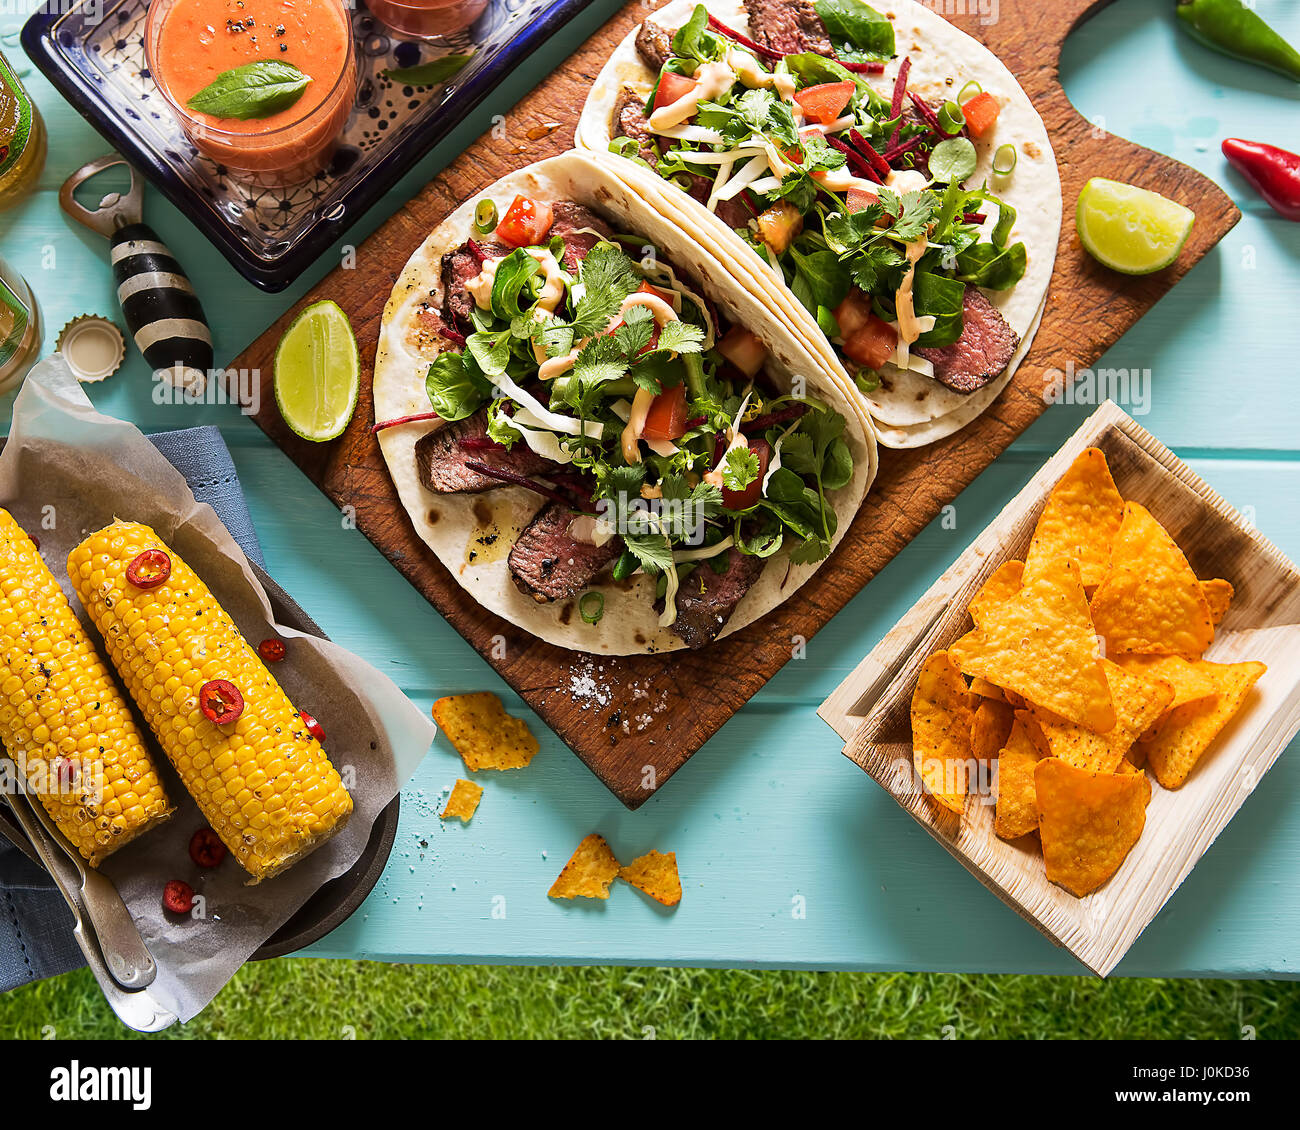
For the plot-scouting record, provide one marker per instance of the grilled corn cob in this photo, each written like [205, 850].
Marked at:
[62, 719]
[262, 781]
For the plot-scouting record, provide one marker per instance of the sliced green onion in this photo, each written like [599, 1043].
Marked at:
[625, 566]
[951, 118]
[969, 91]
[1004, 160]
[591, 607]
[485, 216]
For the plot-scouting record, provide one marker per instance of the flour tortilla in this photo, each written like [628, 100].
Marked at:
[911, 410]
[448, 523]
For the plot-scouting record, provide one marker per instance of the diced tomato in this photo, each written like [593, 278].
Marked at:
[526, 222]
[744, 350]
[981, 113]
[826, 101]
[646, 288]
[672, 87]
[853, 312]
[779, 224]
[858, 199]
[666, 419]
[744, 499]
[873, 344]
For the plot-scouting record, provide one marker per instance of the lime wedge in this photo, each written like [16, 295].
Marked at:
[1131, 230]
[317, 373]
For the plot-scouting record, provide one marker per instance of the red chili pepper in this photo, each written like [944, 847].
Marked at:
[271, 651]
[149, 569]
[178, 897]
[314, 728]
[221, 701]
[206, 849]
[1273, 172]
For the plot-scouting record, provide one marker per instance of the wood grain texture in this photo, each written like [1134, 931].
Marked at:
[693, 694]
[1263, 623]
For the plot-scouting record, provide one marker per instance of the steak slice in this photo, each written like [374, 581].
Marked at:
[707, 599]
[580, 228]
[630, 121]
[547, 564]
[789, 27]
[458, 268]
[654, 44]
[440, 459]
[984, 349]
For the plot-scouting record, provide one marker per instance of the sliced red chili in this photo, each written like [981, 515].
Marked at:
[314, 728]
[149, 569]
[271, 651]
[221, 701]
[206, 848]
[178, 897]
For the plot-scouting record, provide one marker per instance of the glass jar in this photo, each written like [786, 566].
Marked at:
[22, 139]
[20, 327]
[426, 19]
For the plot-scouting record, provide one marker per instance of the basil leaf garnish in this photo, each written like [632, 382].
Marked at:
[431, 73]
[254, 90]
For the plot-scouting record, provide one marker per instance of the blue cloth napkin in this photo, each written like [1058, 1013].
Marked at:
[35, 923]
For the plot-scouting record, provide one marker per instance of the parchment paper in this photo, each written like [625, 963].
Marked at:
[67, 471]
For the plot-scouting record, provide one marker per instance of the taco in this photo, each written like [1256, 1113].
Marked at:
[631, 452]
[882, 178]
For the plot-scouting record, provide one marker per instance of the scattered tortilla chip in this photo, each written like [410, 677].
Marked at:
[1188, 732]
[985, 689]
[1088, 822]
[463, 802]
[1125, 766]
[589, 872]
[656, 874]
[485, 736]
[1139, 703]
[1079, 521]
[1001, 586]
[1188, 680]
[1150, 600]
[1041, 644]
[941, 725]
[1017, 811]
[1218, 595]
[989, 729]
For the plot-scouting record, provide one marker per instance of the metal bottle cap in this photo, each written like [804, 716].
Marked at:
[92, 346]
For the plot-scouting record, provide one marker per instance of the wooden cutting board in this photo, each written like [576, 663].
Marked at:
[636, 720]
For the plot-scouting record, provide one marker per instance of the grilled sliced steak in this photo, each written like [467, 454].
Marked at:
[630, 121]
[547, 564]
[984, 349]
[654, 44]
[440, 459]
[580, 228]
[735, 213]
[789, 27]
[707, 599]
[458, 268]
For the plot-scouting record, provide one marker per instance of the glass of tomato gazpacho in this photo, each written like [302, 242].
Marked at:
[426, 19]
[263, 87]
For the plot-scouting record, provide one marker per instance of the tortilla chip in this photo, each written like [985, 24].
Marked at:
[1150, 600]
[941, 724]
[1188, 680]
[589, 872]
[1218, 595]
[1088, 822]
[656, 874]
[985, 689]
[1001, 586]
[485, 736]
[463, 802]
[1079, 521]
[1139, 703]
[1017, 811]
[1041, 645]
[1188, 732]
[1125, 766]
[989, 729]
[1015, 701]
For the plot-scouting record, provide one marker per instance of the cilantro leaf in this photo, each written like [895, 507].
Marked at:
[739, 468]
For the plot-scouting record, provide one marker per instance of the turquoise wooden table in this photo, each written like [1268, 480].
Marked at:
[790, 856]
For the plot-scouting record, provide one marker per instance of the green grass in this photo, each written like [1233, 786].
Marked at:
[301, 998]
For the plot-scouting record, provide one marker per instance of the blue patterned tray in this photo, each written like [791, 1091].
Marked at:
[271, 235]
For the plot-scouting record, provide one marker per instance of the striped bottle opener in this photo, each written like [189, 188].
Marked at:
[158, 301]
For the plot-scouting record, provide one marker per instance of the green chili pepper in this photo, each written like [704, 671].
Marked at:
[1232, 28]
